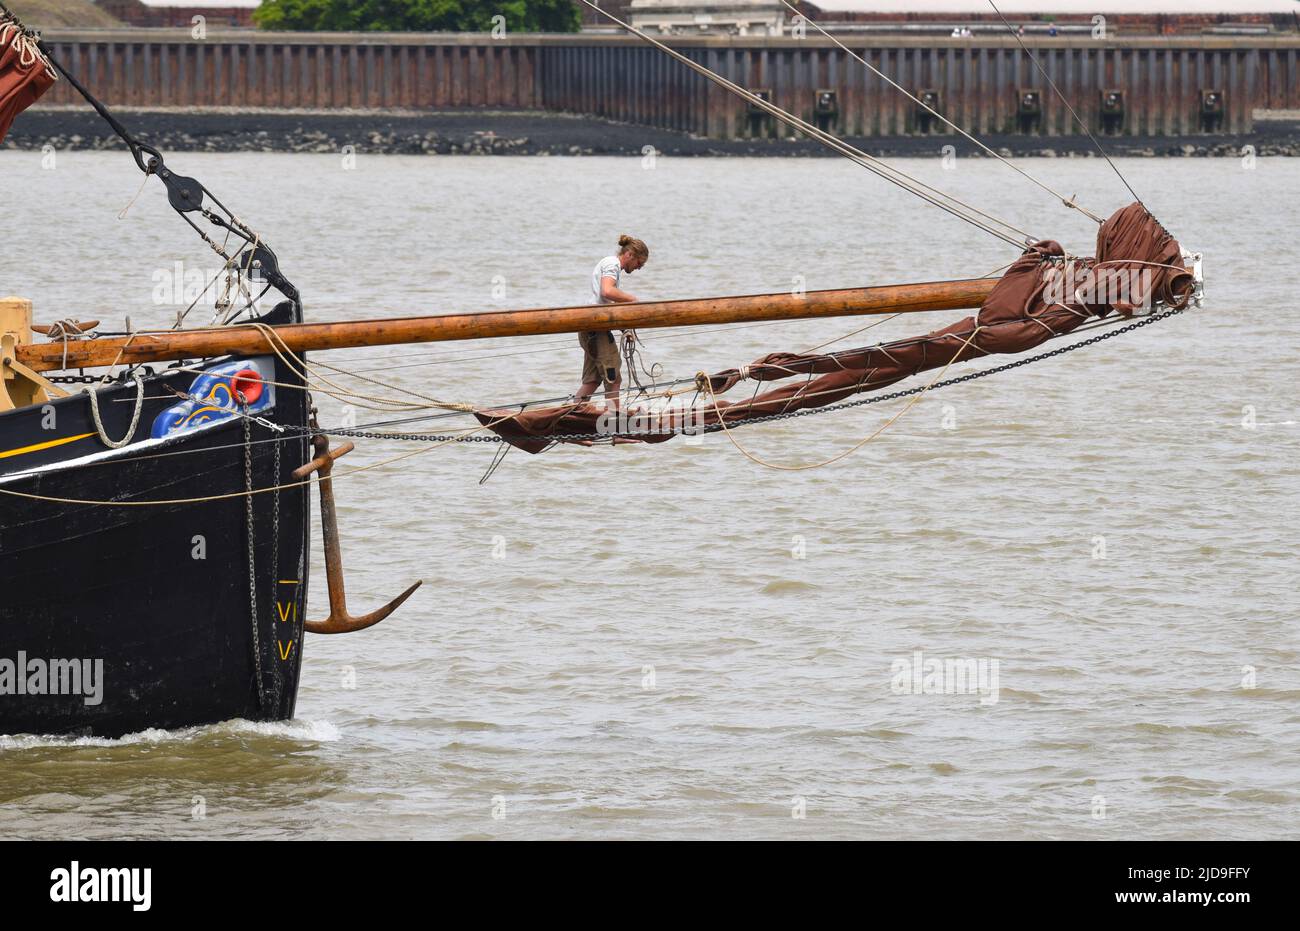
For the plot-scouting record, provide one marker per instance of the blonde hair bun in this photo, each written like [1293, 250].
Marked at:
[628, 243]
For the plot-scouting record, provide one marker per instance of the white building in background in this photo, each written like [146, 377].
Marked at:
[181, 13]
[773, 18]
[1059, 7]
[699, 17]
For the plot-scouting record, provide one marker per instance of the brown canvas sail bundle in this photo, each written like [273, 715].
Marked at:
[25, 72]
[1044, 294]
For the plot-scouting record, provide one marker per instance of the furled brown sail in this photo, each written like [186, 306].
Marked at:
[25, 72]
[1043, 294]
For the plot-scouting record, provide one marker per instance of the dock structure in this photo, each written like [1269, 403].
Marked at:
[1121, 85]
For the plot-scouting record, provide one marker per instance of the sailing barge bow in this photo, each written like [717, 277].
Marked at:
[155, 528]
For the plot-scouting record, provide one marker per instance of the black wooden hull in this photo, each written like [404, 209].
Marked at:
[160, 594]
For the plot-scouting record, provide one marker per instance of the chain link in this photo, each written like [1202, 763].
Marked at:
[771, 418]
[84, 379]
[274, 581]
[252, 565]
[73, 379]
[970, 376]
[712, 428]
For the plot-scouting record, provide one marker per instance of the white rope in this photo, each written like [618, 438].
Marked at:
[121, 214]
[135, 417]
[13, 34]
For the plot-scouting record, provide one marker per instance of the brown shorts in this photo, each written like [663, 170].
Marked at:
[601, 360]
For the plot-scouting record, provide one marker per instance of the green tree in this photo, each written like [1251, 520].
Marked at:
[418, 15]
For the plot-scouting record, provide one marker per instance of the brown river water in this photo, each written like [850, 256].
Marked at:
[675, 641]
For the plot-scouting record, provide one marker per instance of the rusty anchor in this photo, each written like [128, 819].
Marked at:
[339, 621]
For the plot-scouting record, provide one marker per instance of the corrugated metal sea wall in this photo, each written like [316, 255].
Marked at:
[1165, 85]
[163, 67]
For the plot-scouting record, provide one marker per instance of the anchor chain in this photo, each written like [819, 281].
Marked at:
[121, 378]
[73, 379]
[275, 549]
[252, 564]
[771, 418]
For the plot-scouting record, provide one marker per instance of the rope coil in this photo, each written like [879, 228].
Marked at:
[135, 416]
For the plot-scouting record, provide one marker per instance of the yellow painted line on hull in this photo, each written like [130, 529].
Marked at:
[37, 447]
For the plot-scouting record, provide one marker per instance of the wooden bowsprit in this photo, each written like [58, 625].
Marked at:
[169, 345]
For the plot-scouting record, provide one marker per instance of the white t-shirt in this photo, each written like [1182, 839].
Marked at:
[608, 267]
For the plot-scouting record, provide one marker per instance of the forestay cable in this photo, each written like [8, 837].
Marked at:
[855, 155]
[1067, 201]
[1078, 119]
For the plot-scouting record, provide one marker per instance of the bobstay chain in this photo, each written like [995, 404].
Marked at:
[771, 418]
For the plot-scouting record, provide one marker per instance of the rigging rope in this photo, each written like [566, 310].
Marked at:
[1067, 201]
[863, 329]
[185, 195]
[564, 345]
[1068, 106]
[643, 390]
[636, 364]
[437, 441]
[871, 163]
[441, 441]
[669, 386]
[285, 354]
[362, 432]
[135, 417]
[713, 399]
[1110, 325]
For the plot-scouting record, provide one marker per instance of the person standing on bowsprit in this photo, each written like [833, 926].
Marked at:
[601, 360]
